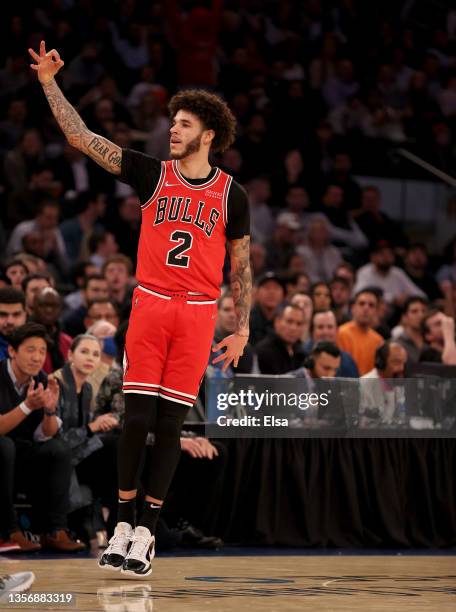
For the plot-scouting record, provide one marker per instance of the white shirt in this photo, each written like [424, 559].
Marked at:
[394, 283]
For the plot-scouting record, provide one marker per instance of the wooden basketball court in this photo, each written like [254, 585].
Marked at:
[267, 583]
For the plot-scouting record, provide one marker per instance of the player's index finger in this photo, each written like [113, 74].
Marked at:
[42, 48]
[35, 55]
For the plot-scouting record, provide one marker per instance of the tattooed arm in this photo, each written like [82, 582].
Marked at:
[241, 285]
[241, 282]
[104, 152]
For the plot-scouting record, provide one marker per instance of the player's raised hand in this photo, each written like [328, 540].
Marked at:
[48, 63]
[235, 345]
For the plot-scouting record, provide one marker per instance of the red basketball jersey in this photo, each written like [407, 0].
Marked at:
[183, 239]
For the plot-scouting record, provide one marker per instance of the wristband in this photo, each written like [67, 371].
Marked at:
[25, 409]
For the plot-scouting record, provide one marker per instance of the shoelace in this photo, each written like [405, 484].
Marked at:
[138, 548]
[35, 539]
[119, 542]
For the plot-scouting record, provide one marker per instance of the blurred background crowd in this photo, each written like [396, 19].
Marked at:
[320, 102]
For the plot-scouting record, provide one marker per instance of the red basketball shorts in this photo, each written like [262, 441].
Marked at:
[168, 344]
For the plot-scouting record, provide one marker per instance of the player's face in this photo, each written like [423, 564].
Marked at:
[186, 135]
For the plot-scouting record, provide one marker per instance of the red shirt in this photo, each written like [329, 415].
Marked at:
[185, 225]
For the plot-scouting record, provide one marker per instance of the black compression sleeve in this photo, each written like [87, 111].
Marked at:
[140, 171]
[238, 224]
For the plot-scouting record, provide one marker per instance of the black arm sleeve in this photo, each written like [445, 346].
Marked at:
[141, 172]
[238, 224]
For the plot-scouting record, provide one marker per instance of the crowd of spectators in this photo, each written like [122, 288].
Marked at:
[318, 98]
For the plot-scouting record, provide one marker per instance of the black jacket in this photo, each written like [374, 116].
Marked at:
[274, 358]
[9, 399]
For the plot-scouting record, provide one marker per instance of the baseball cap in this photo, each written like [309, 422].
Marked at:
[380, 245]
[271, 276]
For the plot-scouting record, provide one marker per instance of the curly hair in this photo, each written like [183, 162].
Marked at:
[211, 110]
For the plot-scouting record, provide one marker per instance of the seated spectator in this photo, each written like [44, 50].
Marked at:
[90, 207]
[104, 331]
[382, 273]
[32, 455]
[374, 223]
[324, 361]
[94, 287]
[45, 224]
[378, 392]
[283, 242]
[126, 225]
[117, 270]
[75, 299]
[93, 457]
[282, 351]
[448, 271]
[16, 271]
[100, 308]
[225, 326]
[47, 309]
[411, 338]
[416, 267]
[347, 271]
[257, 260]
[101, 245]
[296, 282]
[261, 219]
[297, 202]
[340, 297]
[321, 258]
[304, 301]
[31, 286]
[357, 337]
[344, 231]
[438, 334]
[321, 296]
[270, 292]
[12, 316]
[324, 329]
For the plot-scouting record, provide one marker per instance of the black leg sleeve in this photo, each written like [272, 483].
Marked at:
[165, 453]
[140, 417]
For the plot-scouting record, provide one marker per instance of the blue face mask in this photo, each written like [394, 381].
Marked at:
[109, 346]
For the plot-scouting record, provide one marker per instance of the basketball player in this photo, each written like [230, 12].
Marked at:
[190, 212]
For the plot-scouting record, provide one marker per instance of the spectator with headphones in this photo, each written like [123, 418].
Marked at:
[390, 360]
[323, 362]
[378, 392]
[323, 328]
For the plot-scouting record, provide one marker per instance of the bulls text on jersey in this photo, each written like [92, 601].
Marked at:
[175, 208]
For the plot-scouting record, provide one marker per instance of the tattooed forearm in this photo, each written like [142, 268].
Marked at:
[101, 150]
[241, 281]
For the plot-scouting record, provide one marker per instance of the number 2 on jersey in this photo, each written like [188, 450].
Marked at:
[176, 255]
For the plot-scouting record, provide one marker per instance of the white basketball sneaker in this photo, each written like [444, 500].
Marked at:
[115, 554]
[137, 563]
